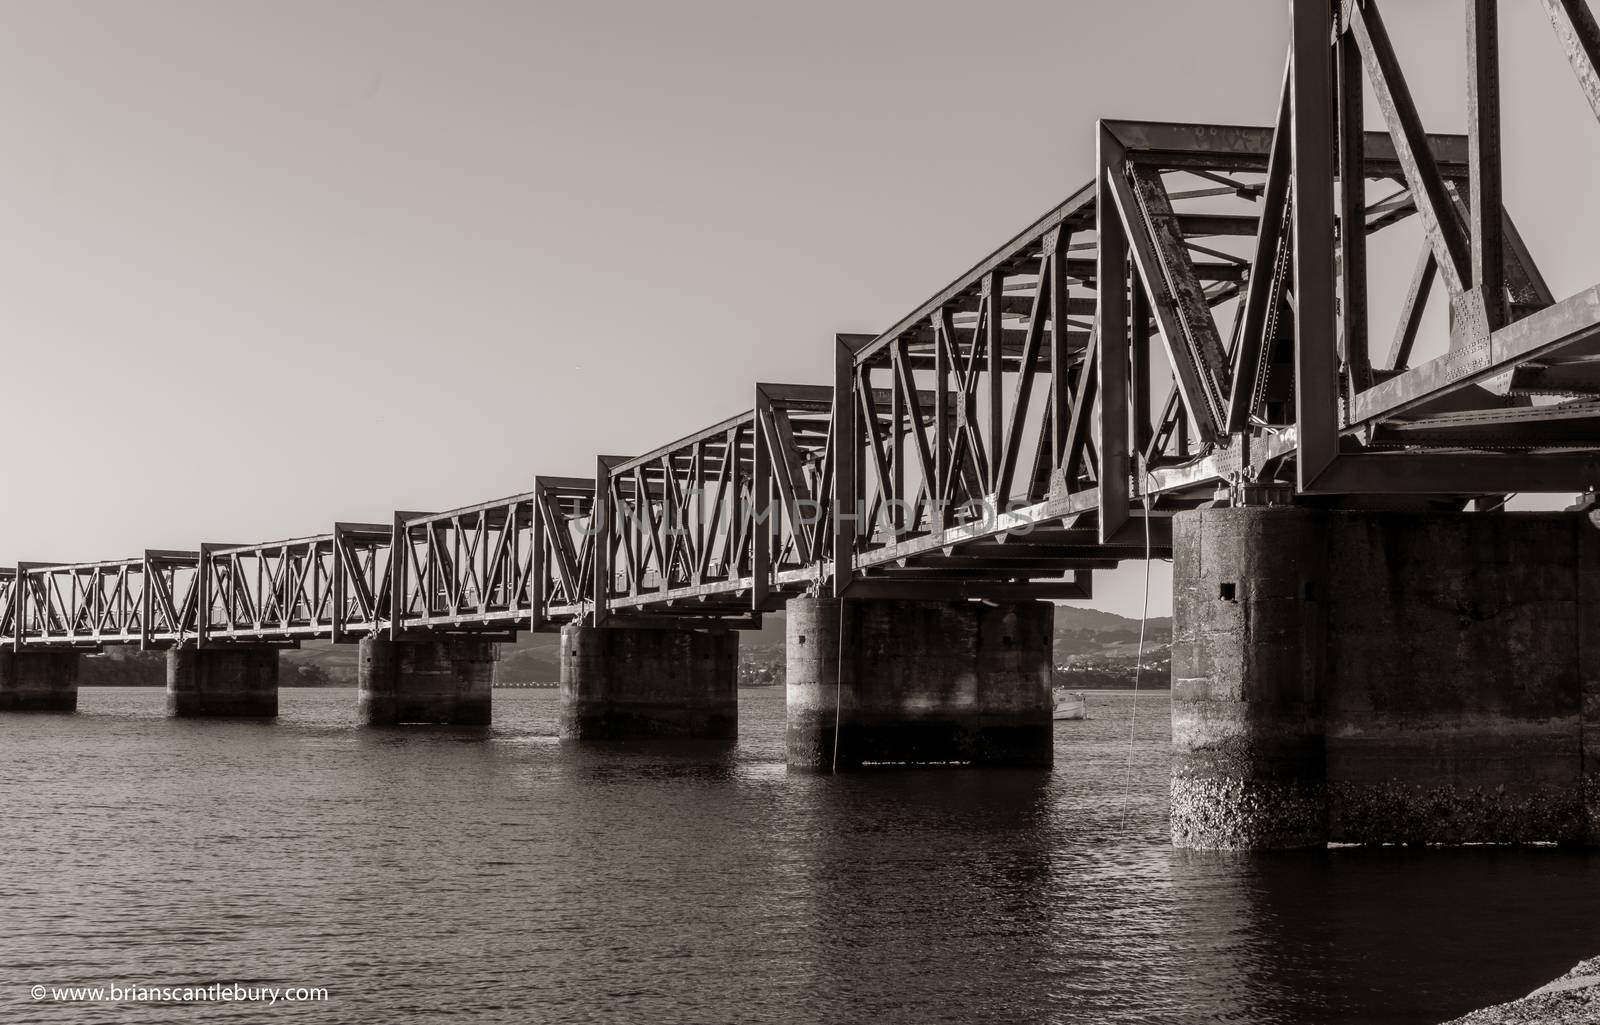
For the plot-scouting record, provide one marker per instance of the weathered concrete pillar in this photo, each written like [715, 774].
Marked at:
[621, 683]
[1589, 641]
[233, 681]
[1248, 767]
[1383, 677]
[38, 681]
[1458, 671]
[918, 683]
[445, 680]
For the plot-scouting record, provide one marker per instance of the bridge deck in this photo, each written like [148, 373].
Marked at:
[1191, 326]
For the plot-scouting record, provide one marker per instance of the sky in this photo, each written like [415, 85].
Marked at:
[270, 265]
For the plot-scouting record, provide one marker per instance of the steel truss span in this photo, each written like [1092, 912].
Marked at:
[1191, 327]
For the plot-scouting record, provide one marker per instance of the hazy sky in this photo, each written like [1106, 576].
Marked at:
[267, 265]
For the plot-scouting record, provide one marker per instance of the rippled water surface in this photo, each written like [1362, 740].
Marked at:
[503, 876]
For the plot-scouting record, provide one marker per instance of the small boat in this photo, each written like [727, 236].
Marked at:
[1070, 704]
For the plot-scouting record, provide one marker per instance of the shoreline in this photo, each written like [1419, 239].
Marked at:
[1571, 999]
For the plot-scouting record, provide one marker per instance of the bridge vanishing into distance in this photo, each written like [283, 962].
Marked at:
[1178, 360]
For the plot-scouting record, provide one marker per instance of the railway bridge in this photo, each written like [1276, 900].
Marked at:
[1177, 361]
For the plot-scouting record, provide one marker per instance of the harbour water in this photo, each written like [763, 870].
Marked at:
[500, 876]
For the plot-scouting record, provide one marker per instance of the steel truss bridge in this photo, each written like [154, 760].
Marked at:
[1192, 326]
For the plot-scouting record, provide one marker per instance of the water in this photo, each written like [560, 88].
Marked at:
[505, 877]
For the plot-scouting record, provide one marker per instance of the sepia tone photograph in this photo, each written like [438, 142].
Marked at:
[1077, 512]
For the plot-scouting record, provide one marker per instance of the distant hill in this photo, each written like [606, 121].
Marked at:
[537, 657]
[1082, 635]
[1076, 629]
[337, 661]
[1090, 632]
[308, 667]
[1097, 646]
[1095, 649]
[1087, 641]
[531, 658]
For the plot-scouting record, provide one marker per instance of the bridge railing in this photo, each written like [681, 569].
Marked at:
[78, 605]
[333, 586]
[171, 595]
[1199, 345]
[465, 569]
[678, 521]
[149, 601]
[971, 419]
[274, 591]
[1191, 326]
[8, 605]
[1017, 430]
[562, 587]
[795, 449]
[1297, 395]
[362, 580]
[716, 523]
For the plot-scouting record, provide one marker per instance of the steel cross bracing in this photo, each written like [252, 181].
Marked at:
[563, 551]
[148, 601]
[300, 589]
[469, 567]
[1190, 327]
[722, 522]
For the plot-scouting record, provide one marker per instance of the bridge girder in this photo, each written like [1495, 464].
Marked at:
[1190, 327]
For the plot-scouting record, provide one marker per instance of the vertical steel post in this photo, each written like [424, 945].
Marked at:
[604, 553]
[202, 595]
[1315, 359]
[847, 429]
[994, 304]
[399, 551]
[1112, 323]
[1483, 158]
[1352, 216]
[536, 560]
[762, 546]
[1059, 243]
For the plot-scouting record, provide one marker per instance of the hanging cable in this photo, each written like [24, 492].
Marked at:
[1144, 618]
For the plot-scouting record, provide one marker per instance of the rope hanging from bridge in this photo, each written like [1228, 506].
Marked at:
[1138, 659]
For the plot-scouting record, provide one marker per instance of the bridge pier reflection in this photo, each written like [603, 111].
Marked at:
[917, 683]
[621, 683]
[38, 681]
[444, 680]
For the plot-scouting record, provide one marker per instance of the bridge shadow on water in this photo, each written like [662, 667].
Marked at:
[1387, 934]
[706, 873]
[984, 891]
[953, 894]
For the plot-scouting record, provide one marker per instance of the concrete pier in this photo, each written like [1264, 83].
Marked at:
[1589, 646]
[1383, 677]
[620, 683]
[38, 681]
[918, 683]
[444, 680]
[225, 682]
[1249, 766]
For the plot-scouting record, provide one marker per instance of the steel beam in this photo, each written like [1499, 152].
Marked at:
[1111, 326]
[1311, 132]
